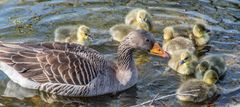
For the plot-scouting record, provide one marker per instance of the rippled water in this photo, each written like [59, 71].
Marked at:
[35, 21]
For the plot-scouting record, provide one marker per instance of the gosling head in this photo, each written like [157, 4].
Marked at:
[168, 33]
[144, 20]
[84, 33]
[143, 40]
[202, 67]
[185, 58]
[210, 77]
[199, 30]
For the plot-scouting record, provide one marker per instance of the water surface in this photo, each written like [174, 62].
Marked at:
[35, 21]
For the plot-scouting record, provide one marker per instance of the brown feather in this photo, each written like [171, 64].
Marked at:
[51, 62]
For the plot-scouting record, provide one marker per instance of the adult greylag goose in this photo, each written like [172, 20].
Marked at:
[74, 70]
[73, 34]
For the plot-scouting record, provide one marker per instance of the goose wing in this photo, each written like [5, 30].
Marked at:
[53, 62]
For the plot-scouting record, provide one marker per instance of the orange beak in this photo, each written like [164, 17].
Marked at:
[157, 50]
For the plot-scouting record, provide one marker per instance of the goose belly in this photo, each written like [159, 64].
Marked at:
[106, 84]
[18, 78]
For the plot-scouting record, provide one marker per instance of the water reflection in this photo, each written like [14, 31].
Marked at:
[13, 90]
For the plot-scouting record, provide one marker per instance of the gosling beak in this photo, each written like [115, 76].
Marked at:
[91, 36]
[149, 24]
[181, 62]
[207, 30]
[157, 50]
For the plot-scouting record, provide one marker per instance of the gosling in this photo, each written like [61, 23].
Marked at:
[215, 62]
[199, 91]
[200, 35]
[135, 19]
[139, 18]
[184, 62]
[73, 34]
[173, 41]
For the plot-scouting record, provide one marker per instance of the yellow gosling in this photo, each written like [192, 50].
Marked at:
[187, 63]
[139, 18]
[200, 35]
[168, 34]
[214, 62]
[135, 19]
[73, 34]
[178, 43]
[198, 91]
[210, 77]
[183, 62]
[119, 31]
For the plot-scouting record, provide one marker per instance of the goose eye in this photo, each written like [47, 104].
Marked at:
[147, 40]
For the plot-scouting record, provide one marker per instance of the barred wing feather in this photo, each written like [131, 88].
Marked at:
[53, 62]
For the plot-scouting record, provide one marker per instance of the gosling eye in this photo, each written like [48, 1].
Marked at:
[86, 34]
[145, 19]
[186, 58]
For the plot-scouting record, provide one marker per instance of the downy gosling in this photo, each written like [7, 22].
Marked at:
[168, 34]
[73, 34]
[139, 18]
[183, 61]
[199, 91]
[172, 44]
[203, 90]
[200, 35]
[135, 19]
[213, 62]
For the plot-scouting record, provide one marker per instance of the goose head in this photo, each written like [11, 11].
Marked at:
[168, 33]
[144, 20]
[199, 30]
[143, 40]
[84, 34]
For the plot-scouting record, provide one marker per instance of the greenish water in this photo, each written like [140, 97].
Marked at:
[35, 21]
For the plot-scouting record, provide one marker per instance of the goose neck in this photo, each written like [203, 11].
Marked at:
[125, 57]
